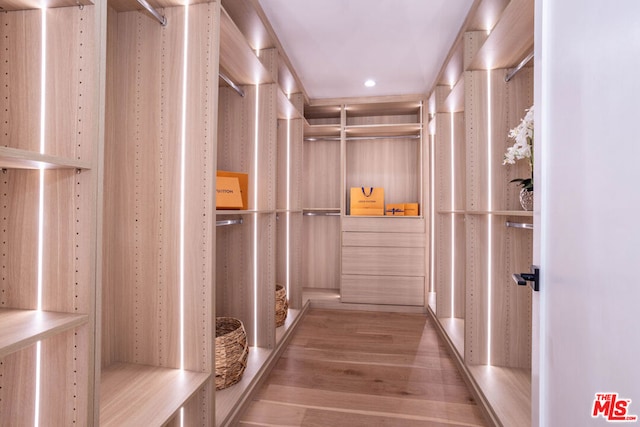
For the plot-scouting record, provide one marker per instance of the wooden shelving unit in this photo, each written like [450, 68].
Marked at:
[264, 250]
[374, 142]
[507, 390]
[237, 59]
[13, 158]
[145, 395]
[483, 315]
[117, 293]
[22, 328]
[326, 132]
[387, 150]
[502, 213]
[50, 156]
[321, 198]
[511, 39]
[158, 319]
[384, 130]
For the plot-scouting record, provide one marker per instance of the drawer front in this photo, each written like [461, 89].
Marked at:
[381, 261]
[383, 290]
[407, 240]
[391, 224]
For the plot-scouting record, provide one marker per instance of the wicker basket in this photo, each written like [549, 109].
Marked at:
[231, 351]
[281, 305]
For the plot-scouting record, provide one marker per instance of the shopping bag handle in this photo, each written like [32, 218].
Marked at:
[365, 193]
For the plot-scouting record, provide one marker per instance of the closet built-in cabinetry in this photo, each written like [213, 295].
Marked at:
[50, 169]
[322, 201]
[259, 133]
[158, 318]
[114, 259]
[481, 235]
[183, 101]
[365, 143]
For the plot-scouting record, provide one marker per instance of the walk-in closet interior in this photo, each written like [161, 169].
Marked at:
[116, 263]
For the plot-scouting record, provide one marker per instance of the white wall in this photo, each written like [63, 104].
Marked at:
[588, 187]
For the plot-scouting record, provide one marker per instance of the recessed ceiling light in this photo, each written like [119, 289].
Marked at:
[370, 83]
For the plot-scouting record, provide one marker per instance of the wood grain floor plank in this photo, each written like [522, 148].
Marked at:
[358, 368]
[268, 413]
[335, 400]
[382, 359]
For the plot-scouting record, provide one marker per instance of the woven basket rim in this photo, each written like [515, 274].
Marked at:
[230, 320]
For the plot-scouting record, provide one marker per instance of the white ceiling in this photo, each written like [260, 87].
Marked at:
[335, 45]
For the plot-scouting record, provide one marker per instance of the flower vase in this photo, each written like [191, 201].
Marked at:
[526, 199]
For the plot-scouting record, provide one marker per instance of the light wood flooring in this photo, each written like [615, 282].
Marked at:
[355, 368]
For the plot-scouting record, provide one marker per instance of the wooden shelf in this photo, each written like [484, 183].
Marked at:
[382, 130]
[289, 211]
[323, 111]
[399, 217]
[8, 5]
[136, 395]
[322, 209]
[454, 102]
[249, 22]
[333, 210]
[21, 328]
[319, 131]
[445, 212]
[243, 212]
[130, 5]
[286, 110]
[14, 158]
[237, 60]
[385, 108]
[501, 213]
[508, 392]
[510, 40]
[498, 213]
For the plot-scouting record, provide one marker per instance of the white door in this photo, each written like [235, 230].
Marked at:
[587, 214]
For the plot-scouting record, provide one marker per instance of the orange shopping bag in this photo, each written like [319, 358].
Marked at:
[367, 201]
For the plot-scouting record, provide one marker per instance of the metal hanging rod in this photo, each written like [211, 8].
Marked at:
[321, 213]
[155, 13]
[322, 138]
[232, 84]
[224, 222]
[519, 67]
[519, 225]
[359, 138]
